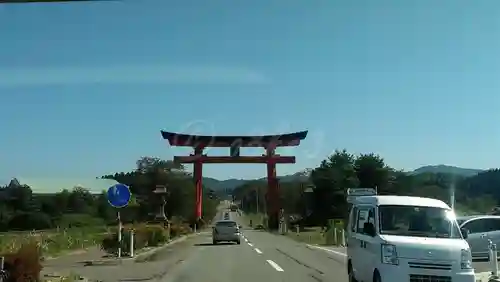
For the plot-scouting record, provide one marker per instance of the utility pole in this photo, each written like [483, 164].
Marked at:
[257, 198]
[265, 205]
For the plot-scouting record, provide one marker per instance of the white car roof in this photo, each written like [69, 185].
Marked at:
[401, 201]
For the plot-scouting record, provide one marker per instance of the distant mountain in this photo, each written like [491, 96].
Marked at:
[467, 172]
[230, 184]
[221, 185]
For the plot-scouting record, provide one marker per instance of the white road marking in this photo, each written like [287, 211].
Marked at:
[275, 265]
[246, 240]
[328, 250]
[258, 251]
[250, 244]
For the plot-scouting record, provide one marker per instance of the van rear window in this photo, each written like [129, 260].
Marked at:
[226, 224]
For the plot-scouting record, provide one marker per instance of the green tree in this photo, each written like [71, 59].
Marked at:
[372, 172]
[331, 180]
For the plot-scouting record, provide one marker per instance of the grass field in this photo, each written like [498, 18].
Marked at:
[56, 230]
[53, 242]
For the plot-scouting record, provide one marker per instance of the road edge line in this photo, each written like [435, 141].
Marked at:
[327, 250]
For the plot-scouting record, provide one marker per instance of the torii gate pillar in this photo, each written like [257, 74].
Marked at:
[198, 176]
[272, 189]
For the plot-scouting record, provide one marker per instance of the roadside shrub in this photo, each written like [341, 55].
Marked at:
[179, 226]
[174, 231]
[51, 243]
[110, 244]
[157, 235]
[179, 230]
[144, 236]
[23, 265]
[201, 223]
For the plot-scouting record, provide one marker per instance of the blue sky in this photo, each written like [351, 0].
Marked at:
[85, 88]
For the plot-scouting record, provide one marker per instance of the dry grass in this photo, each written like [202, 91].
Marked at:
[52, 243]
[256, 218]
[309, 235]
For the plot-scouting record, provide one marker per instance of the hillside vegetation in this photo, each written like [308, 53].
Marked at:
[20, 209]
[329, 181]
[230, 184]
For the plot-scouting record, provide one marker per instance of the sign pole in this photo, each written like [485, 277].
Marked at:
[119, 234]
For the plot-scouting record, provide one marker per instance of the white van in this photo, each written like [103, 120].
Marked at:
[406, 239]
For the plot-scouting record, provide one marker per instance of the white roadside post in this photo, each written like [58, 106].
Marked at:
[342, 237]
[119, 234]
[131, 243]
[2, 273]
[493, 258]
[335, 241]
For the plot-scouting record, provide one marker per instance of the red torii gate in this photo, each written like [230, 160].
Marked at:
[268, 142]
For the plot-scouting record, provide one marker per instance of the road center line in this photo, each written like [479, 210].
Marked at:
[258, 251]
[275, 265]
[246, 240]
[250, 244]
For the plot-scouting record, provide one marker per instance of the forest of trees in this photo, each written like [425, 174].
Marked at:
[20, 209]
[316, 198]
[322, 195]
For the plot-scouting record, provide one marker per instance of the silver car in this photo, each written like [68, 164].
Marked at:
[226, 231]
[481, 228]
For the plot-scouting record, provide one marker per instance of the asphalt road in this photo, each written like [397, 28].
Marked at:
[264, 257]
[260, 257]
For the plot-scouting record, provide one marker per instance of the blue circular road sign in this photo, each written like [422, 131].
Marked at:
[119, 195]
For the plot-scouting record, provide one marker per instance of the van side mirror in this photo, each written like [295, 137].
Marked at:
[369, 229]
[465, 232]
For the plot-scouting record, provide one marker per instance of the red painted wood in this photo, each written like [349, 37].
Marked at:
[235, 160]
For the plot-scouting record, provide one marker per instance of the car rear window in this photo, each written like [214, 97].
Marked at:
[226, 223]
